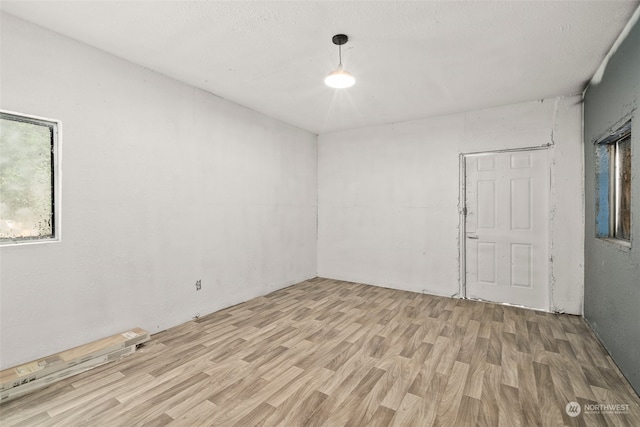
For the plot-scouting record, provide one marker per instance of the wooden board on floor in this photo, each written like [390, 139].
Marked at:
[28, 372]
[39, 383]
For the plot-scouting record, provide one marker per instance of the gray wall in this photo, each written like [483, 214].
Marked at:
[612, 271]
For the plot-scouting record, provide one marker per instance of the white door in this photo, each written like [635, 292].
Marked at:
[506, 227]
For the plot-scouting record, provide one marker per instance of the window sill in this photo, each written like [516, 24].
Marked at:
[14, 243]
[623, 245]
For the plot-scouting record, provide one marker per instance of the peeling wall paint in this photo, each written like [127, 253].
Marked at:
[389, 196]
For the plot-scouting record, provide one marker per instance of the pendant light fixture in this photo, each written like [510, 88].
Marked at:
[339, 79]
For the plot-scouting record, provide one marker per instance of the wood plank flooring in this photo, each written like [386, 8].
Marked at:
[331, 353]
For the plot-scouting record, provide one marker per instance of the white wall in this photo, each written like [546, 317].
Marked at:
[388, 196]
[163, 184]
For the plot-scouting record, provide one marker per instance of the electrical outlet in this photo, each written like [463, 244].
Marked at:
[198, 285]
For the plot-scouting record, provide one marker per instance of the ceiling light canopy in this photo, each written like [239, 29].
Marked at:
[339, 78]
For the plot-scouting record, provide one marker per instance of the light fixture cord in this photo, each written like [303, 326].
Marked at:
[340, 53]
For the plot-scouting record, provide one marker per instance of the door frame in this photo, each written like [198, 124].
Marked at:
[462, 211]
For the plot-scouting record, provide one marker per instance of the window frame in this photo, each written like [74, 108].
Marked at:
[608, 178]
[56, 187]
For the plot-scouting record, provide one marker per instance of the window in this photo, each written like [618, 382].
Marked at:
[613, 183]
[28, 178]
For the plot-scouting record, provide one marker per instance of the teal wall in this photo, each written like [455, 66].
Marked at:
[612, 271]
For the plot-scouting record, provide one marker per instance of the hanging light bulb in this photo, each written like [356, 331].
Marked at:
[339, 78]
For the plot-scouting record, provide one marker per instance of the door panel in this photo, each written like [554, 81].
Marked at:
[506, 225]
[487, 263]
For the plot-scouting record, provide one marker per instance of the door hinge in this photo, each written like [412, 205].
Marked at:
[464, 211]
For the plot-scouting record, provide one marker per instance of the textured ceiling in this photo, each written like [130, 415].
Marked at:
[410, 59]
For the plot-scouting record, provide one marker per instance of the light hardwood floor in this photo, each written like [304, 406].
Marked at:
[331, 353]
